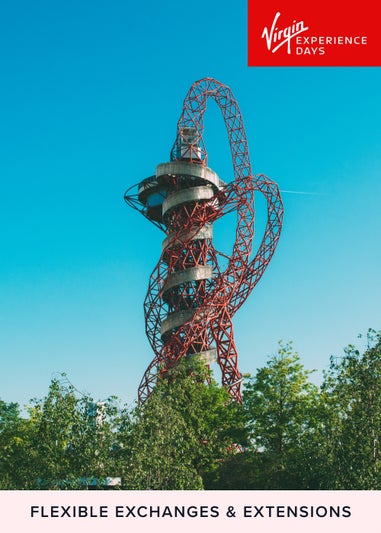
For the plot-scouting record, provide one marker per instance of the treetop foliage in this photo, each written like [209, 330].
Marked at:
[287, 434]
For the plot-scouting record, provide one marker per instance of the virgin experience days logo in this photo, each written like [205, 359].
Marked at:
[311, 45]
[287, 33]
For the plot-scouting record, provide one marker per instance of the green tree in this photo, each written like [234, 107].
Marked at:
[14, 447]
[182, 431]
[188, 435]
[282, 410]
[9, 429]
[161, 450]
[71, 439]
[352, 430]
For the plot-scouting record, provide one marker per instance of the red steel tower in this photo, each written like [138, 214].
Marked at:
[190, 301]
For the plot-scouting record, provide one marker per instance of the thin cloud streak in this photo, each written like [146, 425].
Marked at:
[304, 192]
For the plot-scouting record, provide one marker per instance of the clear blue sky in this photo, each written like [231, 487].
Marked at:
[90, 95]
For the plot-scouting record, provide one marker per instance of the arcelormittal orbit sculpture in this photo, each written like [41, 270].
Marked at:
[190, 301]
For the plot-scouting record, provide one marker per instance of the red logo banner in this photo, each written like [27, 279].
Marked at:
[291, 33]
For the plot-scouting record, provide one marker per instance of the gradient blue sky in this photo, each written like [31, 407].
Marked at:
[90, 95]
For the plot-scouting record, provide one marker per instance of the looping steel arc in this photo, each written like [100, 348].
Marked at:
[190, 302]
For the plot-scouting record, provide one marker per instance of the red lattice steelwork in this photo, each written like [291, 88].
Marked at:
[190, 302]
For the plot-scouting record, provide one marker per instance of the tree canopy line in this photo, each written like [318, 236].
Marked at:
[287, 434]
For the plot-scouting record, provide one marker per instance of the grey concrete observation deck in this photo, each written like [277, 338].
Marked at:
[178, 318]
[192, 170]
[193, 194]
[188, 275]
